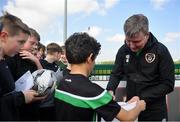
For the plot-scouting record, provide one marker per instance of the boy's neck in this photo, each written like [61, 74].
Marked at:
[50, 58]
[79, 69]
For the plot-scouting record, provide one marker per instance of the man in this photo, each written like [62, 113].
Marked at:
[147, 66]
[76, 97]
[13, 35]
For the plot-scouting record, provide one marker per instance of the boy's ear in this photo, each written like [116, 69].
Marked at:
[89, 59]
[3, 36]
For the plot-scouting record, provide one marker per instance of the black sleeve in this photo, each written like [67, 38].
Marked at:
[11, 62]
[166, 77]
[42, 62]
[117, 72]
[109, 111]
[9, 105]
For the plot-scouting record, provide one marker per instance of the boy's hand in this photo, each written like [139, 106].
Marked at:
[28, 55]
[112, 94]
[31, 95]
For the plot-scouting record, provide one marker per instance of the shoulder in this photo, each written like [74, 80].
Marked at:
[80, 85]
[122, 50]
[42, 61]
[162, 49]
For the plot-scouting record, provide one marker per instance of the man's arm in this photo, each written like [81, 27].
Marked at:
[117, 72]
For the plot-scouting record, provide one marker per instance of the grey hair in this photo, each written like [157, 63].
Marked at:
[135, 24]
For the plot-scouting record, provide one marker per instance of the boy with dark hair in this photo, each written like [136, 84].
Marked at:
[13, 35]
[76, 97]
[47, 108]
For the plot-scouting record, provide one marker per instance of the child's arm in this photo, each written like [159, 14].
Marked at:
[132, 114]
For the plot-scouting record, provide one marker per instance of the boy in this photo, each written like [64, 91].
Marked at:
[77, 98]
[47, 110]
[53, 55]
[63, 63]
[20, 64]
[25, 60]
[13, 34]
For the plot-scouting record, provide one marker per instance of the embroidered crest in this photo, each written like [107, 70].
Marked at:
[150, 57]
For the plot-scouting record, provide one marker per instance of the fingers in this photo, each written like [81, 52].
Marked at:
[24, 54]
[27, 55]
[39, 98]
[133, 99]
[142, 105]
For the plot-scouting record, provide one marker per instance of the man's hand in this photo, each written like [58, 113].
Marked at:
[134, 99]
[141, 105]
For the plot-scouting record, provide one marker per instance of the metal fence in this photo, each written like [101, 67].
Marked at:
[101, 72]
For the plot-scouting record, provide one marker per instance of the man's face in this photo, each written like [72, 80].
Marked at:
[137, 42]
[31, 44]
[13, 44]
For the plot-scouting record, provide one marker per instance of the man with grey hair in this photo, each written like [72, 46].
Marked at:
[147, 66]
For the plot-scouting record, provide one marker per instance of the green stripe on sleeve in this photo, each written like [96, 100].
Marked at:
[84, 102]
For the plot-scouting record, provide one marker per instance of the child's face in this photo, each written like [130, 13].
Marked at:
[12, 44]
[31, 44]
[63, 58]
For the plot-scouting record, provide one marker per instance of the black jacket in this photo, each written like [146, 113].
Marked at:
[18, 67]
[51, 66]
[149, 74]
[10, 101]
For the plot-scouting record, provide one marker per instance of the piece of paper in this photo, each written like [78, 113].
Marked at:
[25, 82]
[127, 106]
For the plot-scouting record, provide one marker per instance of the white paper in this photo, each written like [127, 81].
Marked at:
[127, 106]
[25, 82]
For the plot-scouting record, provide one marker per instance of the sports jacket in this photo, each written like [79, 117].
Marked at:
[149, 74]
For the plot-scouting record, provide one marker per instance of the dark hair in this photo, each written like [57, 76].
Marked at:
[13, 24]
[53, 47]
[79, 46]
[34, 33]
